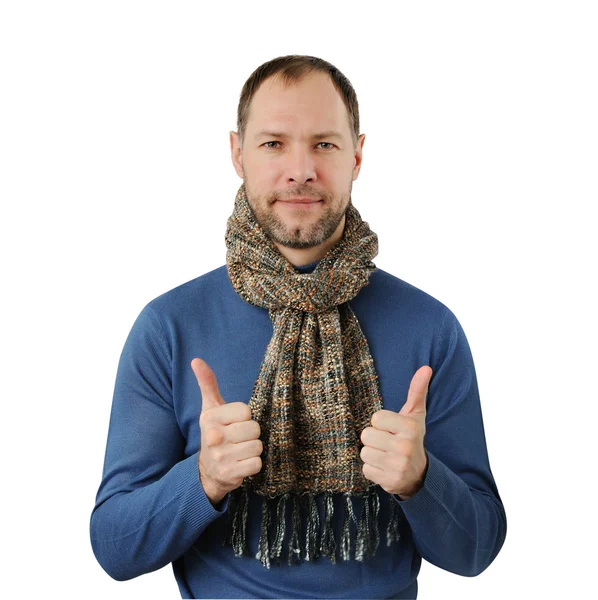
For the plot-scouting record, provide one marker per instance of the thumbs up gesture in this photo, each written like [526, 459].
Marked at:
[393, 452]
[230, 444]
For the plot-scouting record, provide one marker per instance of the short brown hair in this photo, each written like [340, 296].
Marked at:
[293, 68]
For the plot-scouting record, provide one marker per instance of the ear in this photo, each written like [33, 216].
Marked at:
[236, 154]
[358, 155]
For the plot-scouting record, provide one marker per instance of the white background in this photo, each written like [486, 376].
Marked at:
[479, 177]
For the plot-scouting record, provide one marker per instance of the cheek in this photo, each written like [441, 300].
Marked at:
[262, 181]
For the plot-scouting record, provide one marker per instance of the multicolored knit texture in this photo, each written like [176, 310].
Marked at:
[316, 391]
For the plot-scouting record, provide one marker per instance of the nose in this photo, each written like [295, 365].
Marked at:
[300, 166]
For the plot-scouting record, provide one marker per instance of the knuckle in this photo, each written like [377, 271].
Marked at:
[225, 473]
[244, 412]
[402, 446]
[211, 435]
[258, 464]
[407, 450]
[413, 428]
[210, 428]
[403, 466]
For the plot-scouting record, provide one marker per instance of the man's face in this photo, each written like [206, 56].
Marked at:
[282, 158]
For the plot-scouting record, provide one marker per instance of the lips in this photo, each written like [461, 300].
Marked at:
[300, 200]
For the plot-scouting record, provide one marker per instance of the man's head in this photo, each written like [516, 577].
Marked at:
[285, 105]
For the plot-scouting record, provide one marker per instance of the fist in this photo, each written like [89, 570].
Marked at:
[230, 445]
[393, 451]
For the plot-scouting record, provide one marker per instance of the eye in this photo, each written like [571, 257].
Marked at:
[330, 145]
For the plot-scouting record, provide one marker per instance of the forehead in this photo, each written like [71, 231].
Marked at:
[311, 102]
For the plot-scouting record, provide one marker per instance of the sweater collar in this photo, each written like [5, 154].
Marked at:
[308, 268]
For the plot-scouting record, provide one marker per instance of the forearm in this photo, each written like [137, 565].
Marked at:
[455, 527]
[139, 531]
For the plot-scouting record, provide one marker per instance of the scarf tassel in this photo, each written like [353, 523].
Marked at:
[312, 550]
[349, 516]
[294, 542]
[368, 536]
[392, 531]
[328, 543]
[280, 529]
[237, 522]
[263, 553]
[315, 545]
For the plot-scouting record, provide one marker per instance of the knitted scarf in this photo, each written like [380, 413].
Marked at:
[316, 391]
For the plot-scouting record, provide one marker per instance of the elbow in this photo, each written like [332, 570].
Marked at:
[475, 568]
[484, 557]
[483, 560]
[116, 568]
[108, 555]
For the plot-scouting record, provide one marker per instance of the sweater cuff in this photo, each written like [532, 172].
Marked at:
[430, 495]
[196, 508]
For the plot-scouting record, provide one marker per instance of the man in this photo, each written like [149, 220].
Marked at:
[296, 423]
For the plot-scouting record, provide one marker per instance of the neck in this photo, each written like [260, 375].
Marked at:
[300, 257]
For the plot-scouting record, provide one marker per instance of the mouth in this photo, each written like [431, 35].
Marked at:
[300, 201]
[301, 207]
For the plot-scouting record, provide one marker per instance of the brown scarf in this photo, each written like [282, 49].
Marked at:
[316, 391]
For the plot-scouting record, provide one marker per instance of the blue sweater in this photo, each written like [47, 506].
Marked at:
[151, 509]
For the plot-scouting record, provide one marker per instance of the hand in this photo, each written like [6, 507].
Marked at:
[230, 444]
[393, 453]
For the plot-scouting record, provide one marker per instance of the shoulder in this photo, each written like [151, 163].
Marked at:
[396, 315]
[193, 294]
[422, 315]
[392, 293]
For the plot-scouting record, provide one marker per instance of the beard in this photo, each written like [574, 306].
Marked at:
[292, 233]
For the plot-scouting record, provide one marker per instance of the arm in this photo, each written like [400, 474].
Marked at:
[151, 506]
[457, 518]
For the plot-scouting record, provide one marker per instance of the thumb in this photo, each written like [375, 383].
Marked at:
[418, 390]
[210, 394]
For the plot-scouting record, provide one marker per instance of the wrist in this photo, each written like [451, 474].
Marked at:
[418, 485]
[214, 494]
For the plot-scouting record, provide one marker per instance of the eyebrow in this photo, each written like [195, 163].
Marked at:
[316, 136]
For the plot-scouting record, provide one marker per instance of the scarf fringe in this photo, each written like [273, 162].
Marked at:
[346, 529]
[318, 540]
[328, 544]
[312, 550]
[263, 554]
[237, 522]
[368, 535]
[280, 529]
[392, 531]
[294, 542]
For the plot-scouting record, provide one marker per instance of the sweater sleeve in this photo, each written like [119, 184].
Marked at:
[457, 518]
[150, 506]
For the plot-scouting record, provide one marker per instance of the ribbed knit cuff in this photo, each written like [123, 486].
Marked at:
[430, 495]
[196, 508]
